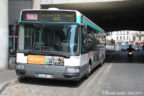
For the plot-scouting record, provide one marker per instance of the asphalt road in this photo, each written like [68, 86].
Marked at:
[119, 76]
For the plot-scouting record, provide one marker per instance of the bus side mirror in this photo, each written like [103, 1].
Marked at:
[84, 28]
[15, 26]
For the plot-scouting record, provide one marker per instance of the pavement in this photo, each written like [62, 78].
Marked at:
[7, 77]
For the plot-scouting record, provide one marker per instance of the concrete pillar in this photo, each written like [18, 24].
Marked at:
[36, 4]
[3, 34]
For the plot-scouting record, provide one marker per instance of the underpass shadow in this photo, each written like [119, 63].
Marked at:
[51, 82]
[121, 57]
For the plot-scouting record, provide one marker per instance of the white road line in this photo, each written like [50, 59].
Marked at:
[89, 81]
[95, 81]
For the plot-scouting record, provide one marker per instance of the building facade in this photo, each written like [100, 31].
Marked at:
[119, 37]
[14, 9]
[126, 37]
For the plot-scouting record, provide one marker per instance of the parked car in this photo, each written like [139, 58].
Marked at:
[136, 48]
[124, 47]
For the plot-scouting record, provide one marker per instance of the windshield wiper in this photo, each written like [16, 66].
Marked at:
[46, 53]
[33, 53]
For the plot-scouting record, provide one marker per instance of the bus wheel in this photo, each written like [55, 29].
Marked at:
[89, 71]
[103, 62]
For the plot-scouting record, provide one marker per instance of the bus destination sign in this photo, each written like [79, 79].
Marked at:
[49, 16]
[31, 16]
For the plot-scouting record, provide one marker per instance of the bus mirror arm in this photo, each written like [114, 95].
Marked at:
[83, 25]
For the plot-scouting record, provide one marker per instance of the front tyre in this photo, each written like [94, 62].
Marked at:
[89, 71]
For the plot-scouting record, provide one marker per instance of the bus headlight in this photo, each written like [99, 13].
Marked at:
[20, 67]
[72, 70]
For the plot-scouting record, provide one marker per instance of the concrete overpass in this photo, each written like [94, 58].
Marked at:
[111, 15]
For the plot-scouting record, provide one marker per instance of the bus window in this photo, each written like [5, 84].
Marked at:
[84, 40]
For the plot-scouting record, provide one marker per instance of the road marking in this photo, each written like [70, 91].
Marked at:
[97, 74]
[80, 91]
[103, 76]
[16, 90]
[97, 79]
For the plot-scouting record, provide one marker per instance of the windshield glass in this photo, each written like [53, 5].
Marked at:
[61, 38]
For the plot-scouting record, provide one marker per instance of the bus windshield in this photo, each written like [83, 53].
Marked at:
[49, 38]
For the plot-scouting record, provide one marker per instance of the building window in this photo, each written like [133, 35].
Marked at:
[133, 38]
[139, 38]
[127, 37]
[120, 38]
[123, 32]
[123, 37]
[117, 38]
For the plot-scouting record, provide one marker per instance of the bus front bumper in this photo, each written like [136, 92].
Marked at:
[48, 71]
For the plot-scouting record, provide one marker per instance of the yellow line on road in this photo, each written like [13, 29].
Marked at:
[17, 91]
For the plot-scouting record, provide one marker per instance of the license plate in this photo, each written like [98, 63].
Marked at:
[44, 76]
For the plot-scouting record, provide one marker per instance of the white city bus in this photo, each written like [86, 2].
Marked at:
[58, 44]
